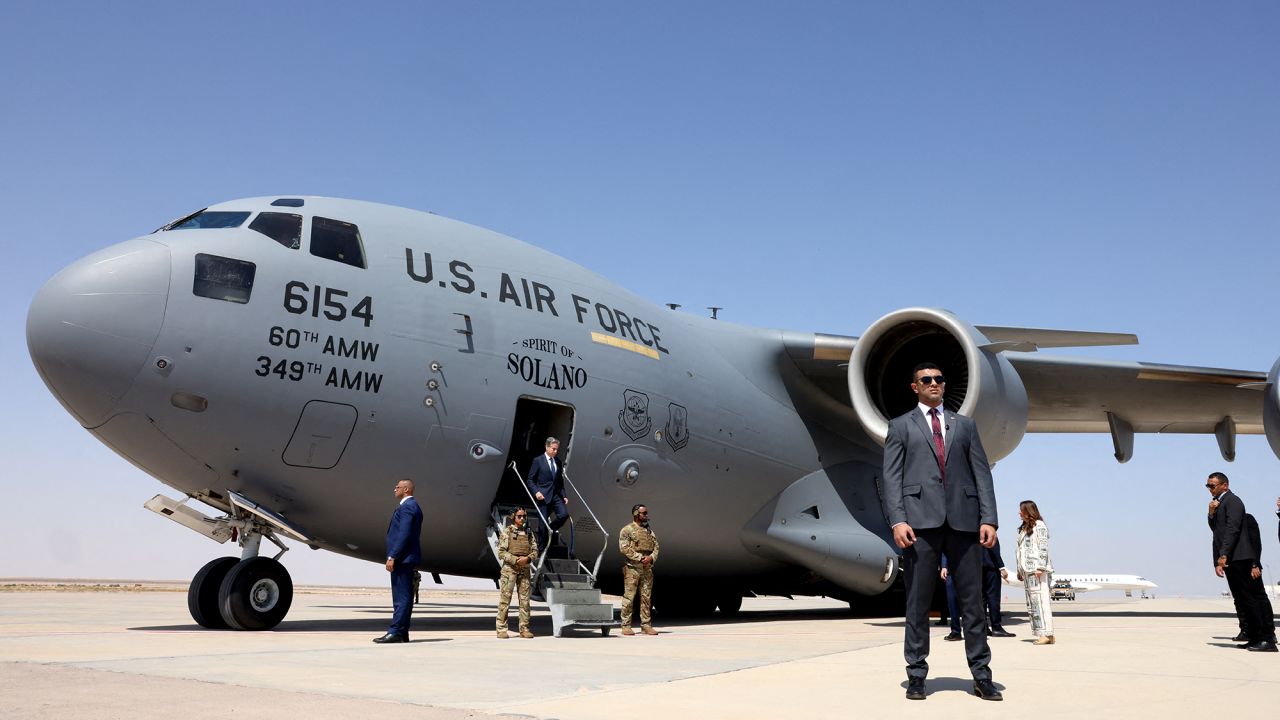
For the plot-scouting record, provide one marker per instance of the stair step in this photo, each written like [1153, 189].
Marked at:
[566, 580]
[599, 613]
[571, 596]
[557, 565]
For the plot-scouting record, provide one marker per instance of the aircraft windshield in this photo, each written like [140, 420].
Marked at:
[284, 228]
[209, 220]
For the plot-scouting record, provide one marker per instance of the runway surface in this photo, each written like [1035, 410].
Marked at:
[135, 654]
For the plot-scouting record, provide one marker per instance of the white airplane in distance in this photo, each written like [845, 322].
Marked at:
[1090, 583]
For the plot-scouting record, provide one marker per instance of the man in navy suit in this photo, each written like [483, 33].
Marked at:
[939, 498]
[404, 552]
[546, 482]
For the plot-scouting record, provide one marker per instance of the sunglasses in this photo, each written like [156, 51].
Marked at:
[931, 379]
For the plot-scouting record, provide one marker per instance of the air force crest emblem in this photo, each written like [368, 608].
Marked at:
[634, 418]
[677, 426]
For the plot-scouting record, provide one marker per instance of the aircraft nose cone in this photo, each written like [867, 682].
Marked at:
[91, 328]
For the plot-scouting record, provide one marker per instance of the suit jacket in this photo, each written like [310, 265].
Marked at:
[913, 489]
[541, 480]
[1229, 537]
[1254, 534]
[404, 533]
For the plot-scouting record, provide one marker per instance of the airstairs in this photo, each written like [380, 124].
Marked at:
[559, 577]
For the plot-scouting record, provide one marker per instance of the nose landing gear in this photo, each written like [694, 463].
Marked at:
[252, 593]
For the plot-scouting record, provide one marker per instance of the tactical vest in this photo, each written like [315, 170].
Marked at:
[644, 540]
[519, 545]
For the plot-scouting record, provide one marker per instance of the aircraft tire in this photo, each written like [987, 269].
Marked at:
[730, 605]
[202, 596]
[255, 594]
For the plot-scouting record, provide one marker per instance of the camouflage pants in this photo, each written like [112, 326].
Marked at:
[637, 577]
[519, 580]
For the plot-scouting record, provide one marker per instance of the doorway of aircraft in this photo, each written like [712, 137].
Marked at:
[535, 420]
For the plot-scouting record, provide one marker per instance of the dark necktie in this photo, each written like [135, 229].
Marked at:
[552, 463]
[938, 444]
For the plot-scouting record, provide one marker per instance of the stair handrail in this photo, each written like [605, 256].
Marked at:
[594, 572]
[542, 555]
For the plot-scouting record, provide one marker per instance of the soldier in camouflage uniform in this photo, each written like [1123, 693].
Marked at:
[640, 547]
[518, 550]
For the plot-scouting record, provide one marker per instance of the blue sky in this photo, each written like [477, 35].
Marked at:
[1093, 166]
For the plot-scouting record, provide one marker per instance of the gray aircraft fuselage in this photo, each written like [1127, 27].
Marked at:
[314, 388]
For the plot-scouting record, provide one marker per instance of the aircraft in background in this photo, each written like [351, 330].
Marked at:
[285, 360]
[1091, 583]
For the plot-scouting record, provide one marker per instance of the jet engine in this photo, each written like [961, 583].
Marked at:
[981, 383]
[1271, 409]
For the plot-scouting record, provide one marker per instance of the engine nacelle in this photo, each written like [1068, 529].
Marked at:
[981, 383]
[1271, 409]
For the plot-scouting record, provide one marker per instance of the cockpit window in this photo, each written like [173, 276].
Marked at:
[336, 240]
[223, 278]
[284, 228]
[209, 220]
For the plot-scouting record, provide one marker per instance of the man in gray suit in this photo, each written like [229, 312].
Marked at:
[939, 498]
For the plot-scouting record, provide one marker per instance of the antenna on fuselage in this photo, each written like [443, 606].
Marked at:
[715, 311]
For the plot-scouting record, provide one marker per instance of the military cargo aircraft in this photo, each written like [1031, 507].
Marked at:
[284, 360]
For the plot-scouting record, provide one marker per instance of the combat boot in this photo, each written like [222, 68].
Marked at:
[502, 634]
[526, 634]
[648, 630]
[628, 631]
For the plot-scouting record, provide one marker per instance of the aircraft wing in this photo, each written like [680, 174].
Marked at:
[1076, 395]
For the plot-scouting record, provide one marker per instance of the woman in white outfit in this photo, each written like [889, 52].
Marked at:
[1035, 571]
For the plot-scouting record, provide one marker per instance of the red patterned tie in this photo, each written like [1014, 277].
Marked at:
[938, 445]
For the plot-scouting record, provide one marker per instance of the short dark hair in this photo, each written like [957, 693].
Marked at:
[923, 366]
[636, 508]
[1220, 477]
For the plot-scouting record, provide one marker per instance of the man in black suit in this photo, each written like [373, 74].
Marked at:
[994, 571]
[546, 482]
[404, 552]
[939, 498]
[1237, 549]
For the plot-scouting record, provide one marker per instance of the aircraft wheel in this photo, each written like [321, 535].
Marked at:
[255, 594]
[730, 605]
[202, 596]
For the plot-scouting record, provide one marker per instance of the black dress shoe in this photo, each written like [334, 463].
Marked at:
[1264, 646]
[986, 690]
[1000, 632]
[915, 689]
[1240, 638]
[391, 638]
[953, 636]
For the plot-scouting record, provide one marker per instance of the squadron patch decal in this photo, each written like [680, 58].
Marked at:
[677, 432]
[634, 417]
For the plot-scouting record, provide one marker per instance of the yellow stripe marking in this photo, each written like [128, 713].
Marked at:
[624, 344]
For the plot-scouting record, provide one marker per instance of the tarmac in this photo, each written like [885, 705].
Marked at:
[132, 651]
